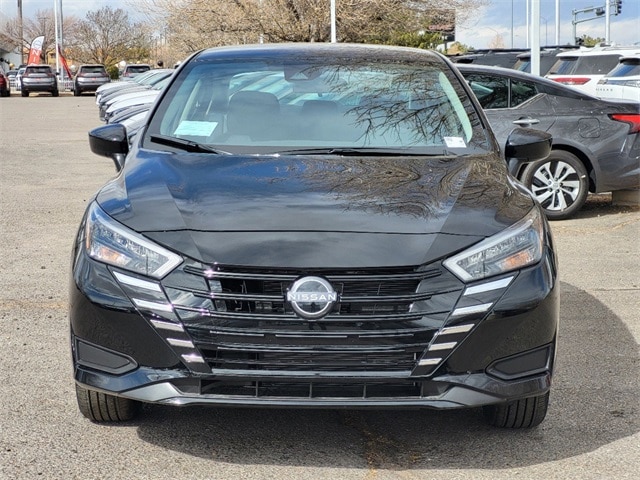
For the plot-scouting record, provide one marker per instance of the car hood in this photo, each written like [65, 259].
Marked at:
[314, 211]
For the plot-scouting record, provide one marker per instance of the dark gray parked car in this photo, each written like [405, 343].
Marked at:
[596, 143]
[89, 78]
[39, 78]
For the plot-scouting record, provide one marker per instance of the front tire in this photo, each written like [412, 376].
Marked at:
[55, 93]
[100, 407]
[524, 413]
[559, 182]
[76, 92]
[24, 93]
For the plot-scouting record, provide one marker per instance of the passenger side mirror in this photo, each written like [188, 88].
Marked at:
[526, 145]
[110, 141]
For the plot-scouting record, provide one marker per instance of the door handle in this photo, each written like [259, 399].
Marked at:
[527, 121]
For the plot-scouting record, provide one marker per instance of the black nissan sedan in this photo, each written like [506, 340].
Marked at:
[324, 225]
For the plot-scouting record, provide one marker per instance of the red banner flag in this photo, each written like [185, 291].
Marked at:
[35, 50]
[64, 63]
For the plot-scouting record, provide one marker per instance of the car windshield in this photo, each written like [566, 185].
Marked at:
[44, 69]
[97, 69]
[626, 68]
[137, 69]
[585, 65]
[266, 106]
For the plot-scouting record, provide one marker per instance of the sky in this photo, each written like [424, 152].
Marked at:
[496, 20]
[501, 19]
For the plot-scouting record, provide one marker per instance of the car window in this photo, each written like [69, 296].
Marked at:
[500, 92]
[41, 69]
[585, 65]
[491, 91]
[137, 69]
[521, 91]
[627, 68]
[92, 70]
[249, 105]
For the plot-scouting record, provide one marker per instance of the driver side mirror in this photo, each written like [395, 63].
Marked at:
[526, 145]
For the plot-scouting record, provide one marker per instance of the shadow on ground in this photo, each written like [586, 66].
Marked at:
[594, 403]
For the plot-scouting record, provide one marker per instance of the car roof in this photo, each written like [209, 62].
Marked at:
[608, 50]
[328, 50]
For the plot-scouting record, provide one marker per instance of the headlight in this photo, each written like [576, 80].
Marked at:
[515, 247]
[110, 242]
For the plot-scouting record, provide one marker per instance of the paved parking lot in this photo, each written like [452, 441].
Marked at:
[47, 175]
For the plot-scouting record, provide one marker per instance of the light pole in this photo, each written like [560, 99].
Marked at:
[21, 33]
[333, 22]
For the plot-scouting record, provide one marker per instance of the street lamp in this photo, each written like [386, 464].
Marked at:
[546, 31]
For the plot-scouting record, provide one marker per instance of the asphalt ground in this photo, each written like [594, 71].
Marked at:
[47, 176]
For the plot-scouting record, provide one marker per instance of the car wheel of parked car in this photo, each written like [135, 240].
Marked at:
[24, 93]
[559, 182]
[76, 92]
[55, 93]
[101, 407]
[524, 413]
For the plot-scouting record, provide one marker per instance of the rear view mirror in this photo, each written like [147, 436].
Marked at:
[526, 145]
[110, 141]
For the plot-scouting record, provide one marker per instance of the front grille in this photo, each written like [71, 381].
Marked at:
[240, 322]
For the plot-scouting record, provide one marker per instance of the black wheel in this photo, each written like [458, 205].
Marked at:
[24, 93]
[559, 182]
[101, 407]
[76, 92]
[525, 413]
[55, 93]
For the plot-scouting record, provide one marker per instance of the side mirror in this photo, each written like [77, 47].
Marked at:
[110, 141]
[526, 145]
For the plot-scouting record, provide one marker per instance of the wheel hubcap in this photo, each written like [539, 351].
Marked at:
[556, 185]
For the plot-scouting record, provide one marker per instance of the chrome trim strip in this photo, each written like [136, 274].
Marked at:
[487, 287]
[456, 329]
[175, 327]
[136, 282]
[192, 358]
[442, 346]
[176, 342]
[470, 310]
[429, 361]
[163, 307]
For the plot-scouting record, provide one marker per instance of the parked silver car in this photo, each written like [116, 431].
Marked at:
[89, 78]
[39, 78]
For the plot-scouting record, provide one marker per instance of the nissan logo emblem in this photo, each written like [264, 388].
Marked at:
[311, 297]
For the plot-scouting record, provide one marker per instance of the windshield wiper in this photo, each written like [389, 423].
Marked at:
[186, 145]
[357, 152]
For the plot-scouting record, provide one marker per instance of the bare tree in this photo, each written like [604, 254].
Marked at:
[41, 24]
[190, 25]
[108, 36]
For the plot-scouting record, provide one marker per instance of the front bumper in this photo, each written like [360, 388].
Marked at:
[173, 387]
[490, 343]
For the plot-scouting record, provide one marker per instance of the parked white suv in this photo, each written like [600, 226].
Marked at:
[583, 69]
[623, 81]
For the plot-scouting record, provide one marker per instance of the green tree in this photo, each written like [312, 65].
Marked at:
[588, 41]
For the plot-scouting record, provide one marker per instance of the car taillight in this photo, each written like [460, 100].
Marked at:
[633, 119]
[572, 80]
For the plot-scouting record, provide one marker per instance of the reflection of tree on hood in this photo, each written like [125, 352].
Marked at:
[421, 187]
